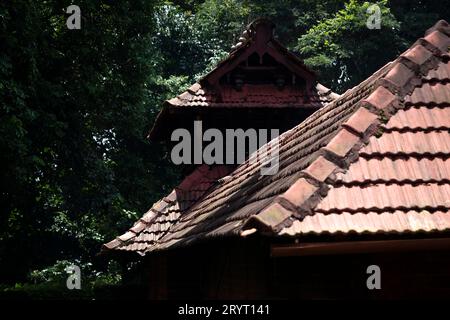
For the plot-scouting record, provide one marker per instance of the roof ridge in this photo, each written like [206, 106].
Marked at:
[384, 101]
[249, 165]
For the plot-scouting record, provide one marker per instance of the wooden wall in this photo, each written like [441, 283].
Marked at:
[245, 270]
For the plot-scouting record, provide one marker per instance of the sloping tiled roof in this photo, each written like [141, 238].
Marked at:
[374, 160]
[401, 180]
[199, 95]
[208, 93]
[252, 96]
[157, 220]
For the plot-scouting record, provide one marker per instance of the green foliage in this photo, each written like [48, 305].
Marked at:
[75, 108]
[50, 282]
[344, 50]
[57, 273]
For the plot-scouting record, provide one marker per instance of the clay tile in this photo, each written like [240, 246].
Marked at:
[399, 75]
[171, 198]
[174, 101]
[194, 88]
[138, 227]
[418, 54]
[159, 206]
[381, 98]
[127, 236]
[185, 96]
[320, 169]
[361, 120]
[342, 143]
[439, 40]
[148, 216]
[441, 25]
[273, 215]
[112, 244]
[299, 192]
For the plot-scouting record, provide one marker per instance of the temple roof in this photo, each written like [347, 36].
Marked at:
[258, 73]
[375, 160]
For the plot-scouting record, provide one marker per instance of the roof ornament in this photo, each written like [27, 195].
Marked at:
[260, 28]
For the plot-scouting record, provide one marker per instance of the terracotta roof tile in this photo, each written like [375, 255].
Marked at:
[441, 73]
[396, 170]
[252, 96]
[166, 212]
[127, 236]
[385, 197]
[371, 222]
[407, 167]
[439, 40]
[441, 25]
[409, 143]
[361, 121]
[342, 143]
[321, 169]
[380, 99]
[399, 75]
[138, 227]
[421, 117]
[299, 192]
[273, 215]
[418, 54]
[435, 93]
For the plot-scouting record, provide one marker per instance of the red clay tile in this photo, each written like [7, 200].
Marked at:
[435, 93]
[371, 222]
[361, 120]
[441, 25]
[392, 170]
[320, 169]
[299, 192]
[381, 98]
[399, 75]
[384, 197]
[418, 54]
[440, 73]
[342, 143]
[194, 88]
[148, 216]
[112, 244]
[127, 236]
[420, 118]
[439, 40]
[172, 197]
[273, 215]
[138, 227]
[408, 143]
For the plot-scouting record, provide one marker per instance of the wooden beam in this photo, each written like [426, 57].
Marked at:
[353, 247]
